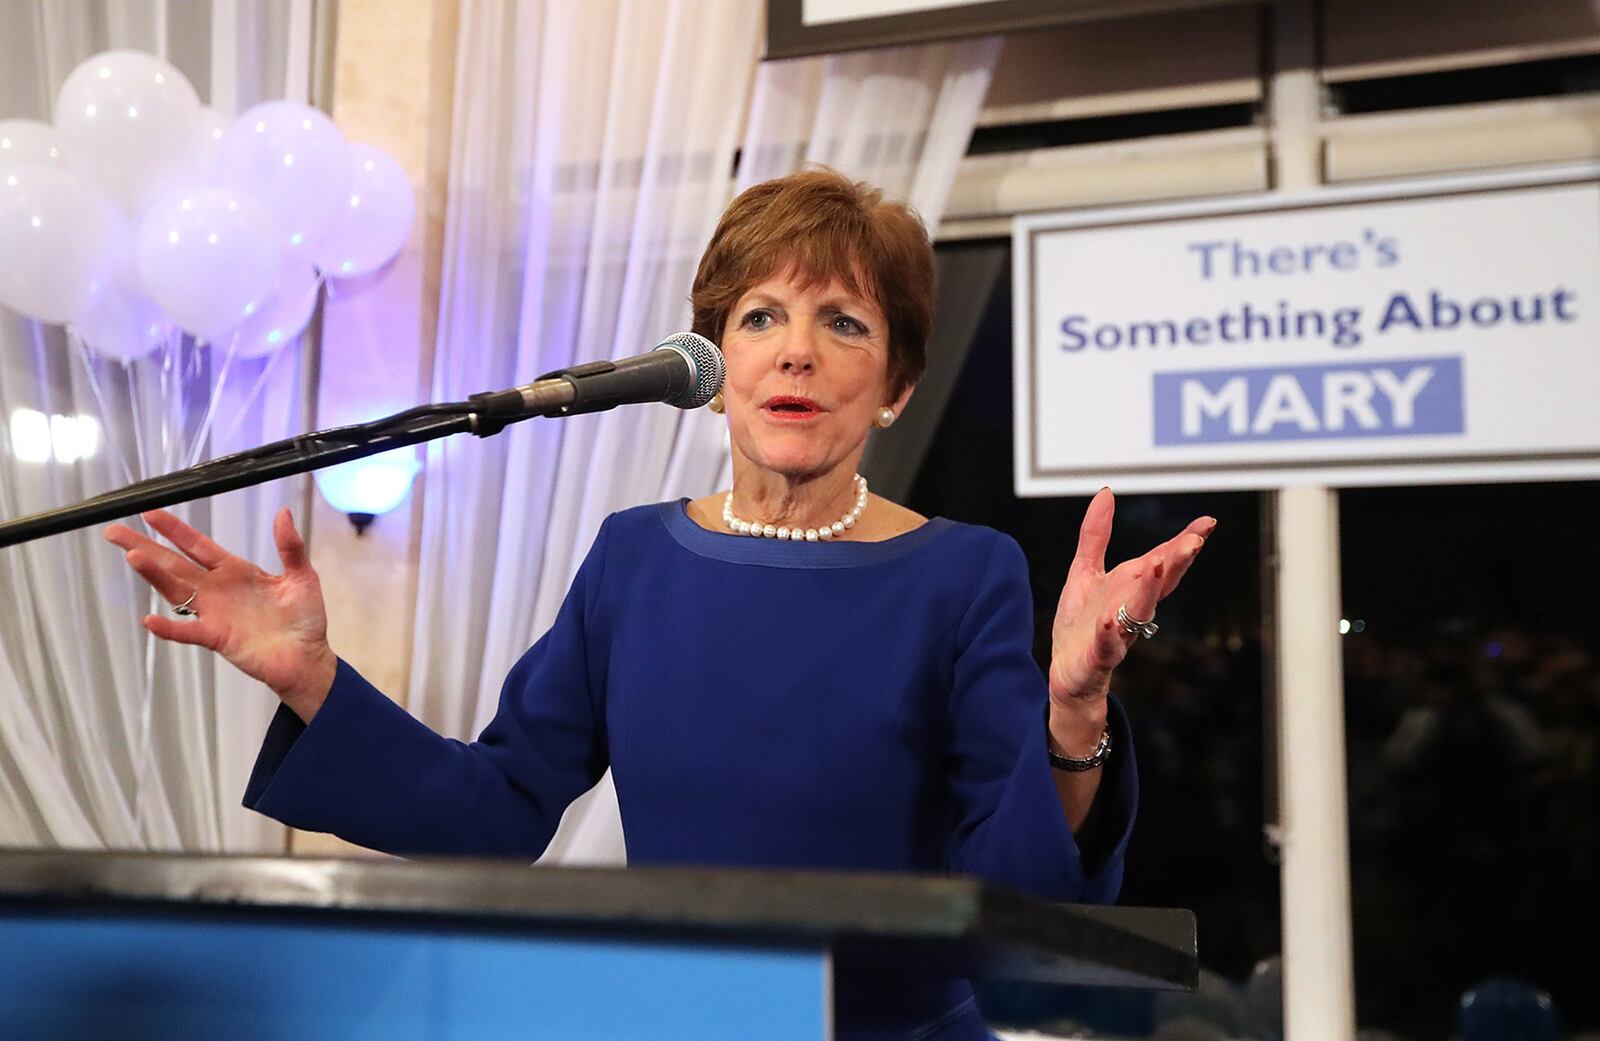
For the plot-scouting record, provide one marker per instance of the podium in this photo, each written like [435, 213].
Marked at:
[182, 947]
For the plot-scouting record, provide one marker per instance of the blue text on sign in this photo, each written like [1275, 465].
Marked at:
[1391, 398]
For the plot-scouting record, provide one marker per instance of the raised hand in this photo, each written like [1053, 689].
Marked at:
[273, 628]
[1087, 640]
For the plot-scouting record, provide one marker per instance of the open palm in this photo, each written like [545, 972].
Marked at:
[271, 627]
[1087, 642]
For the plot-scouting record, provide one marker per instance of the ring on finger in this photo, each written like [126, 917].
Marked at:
[186, 609]
[1136, 627]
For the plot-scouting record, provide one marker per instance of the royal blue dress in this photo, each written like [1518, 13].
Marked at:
[761, 704]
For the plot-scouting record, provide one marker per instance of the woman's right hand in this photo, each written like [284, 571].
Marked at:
[273, 628]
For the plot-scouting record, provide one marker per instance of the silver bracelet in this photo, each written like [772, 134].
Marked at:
[1102, 751]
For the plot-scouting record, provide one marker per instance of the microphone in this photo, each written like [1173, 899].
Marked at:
[684, 370]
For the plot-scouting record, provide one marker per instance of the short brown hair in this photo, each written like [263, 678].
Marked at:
[827, 226]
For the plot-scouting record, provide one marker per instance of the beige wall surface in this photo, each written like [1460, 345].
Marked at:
[1192, 59]
[393, 87]
[1381, 37]
[1206, 56]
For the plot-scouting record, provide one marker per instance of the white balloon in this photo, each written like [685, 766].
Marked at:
[53, 230]
[128, 122]
[29, 141]
[213, 128]
[207, 255]
[206, 162]
[294, 160]
[375, 220]
[280, 318]
[119, 320]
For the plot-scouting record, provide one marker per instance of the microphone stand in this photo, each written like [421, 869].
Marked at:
[483, 416]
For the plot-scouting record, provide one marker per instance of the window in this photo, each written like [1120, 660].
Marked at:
[1472, 716]
[1194, 696]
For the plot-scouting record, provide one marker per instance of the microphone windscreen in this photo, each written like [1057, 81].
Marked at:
[705, 363]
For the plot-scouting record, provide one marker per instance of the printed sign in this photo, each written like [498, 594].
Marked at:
[818, 12]
[801, 27]
[1431, 332]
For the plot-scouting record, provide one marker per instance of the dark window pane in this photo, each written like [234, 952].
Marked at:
[1472, 704]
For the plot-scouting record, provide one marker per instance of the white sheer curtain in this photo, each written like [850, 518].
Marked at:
[108, 737]
[593, 152]
[593, 145]
[899, 118]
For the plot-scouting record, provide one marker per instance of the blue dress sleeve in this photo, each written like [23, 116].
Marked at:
[370, 773]
[1010, 827]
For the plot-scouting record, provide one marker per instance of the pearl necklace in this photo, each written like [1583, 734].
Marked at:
[822, 534]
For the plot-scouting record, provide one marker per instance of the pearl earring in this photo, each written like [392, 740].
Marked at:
[886, 418]
[715, 404]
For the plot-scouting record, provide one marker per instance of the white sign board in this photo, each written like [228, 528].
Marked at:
[1432, 332]
[821, 12]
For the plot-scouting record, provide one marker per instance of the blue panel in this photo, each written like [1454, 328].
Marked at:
[1373, 398]
[184, 979]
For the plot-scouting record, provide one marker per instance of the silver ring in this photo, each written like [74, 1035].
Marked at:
[184, 610]
[1135, 627]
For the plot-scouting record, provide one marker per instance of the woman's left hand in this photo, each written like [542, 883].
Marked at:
[1087, 640]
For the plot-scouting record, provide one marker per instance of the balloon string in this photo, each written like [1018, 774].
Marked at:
[177, 370]
[144, 751]
[216, 397]
[90, 369]
[139, 450]
[145, 755]
[255, 392]
[186, 363]
[194, 364]
[166, 404]
[266, 371]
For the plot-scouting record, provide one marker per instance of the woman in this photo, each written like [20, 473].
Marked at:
[854, 691]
